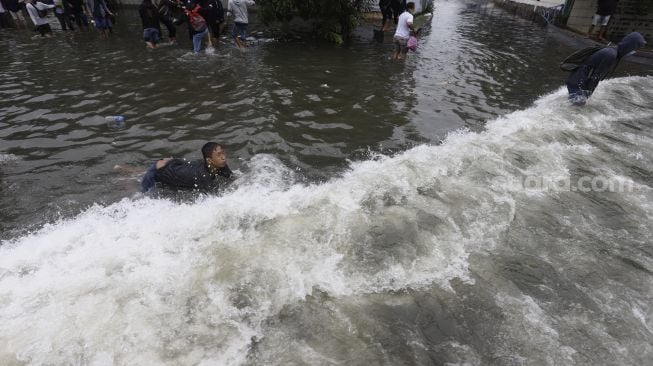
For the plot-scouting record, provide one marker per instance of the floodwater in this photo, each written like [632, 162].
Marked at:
[450, 209]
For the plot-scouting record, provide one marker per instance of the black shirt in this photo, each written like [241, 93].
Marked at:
[606, 7]
[149, 15]
[194, 174]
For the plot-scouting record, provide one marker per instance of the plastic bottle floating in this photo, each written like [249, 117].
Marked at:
[115, 121]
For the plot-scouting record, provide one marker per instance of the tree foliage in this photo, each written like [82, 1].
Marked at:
[333, 20]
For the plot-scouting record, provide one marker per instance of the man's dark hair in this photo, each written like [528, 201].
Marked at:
[410, 5]
[208, 148]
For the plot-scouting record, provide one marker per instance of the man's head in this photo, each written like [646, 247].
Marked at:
[631, 42]
[214, 155]
[410, 7]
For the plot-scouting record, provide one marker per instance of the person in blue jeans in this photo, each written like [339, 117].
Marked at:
[151, 28]
[99, 11]
[197, 28]
[238, 9]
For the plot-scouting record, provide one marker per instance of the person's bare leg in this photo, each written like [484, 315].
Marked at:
[589, 31]
[220, 30]
[209, 38]
[238, 42]
[602, 31]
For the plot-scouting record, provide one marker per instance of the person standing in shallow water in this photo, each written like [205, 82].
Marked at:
[62, 12]
[77, 12]
[41, 23]
[99, 11]
[166, 15]
[151, 28]
[582, 82]
[386, 13]
[403, 32]
[605, 9]
[197, 174]
[238, 9]
[214, 18]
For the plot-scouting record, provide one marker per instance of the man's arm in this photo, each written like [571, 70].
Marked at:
[161, 163]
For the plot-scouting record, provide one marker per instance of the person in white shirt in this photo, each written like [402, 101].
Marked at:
[238, 10]
[404, 29]
[41, 23]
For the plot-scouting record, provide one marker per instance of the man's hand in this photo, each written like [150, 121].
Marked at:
[161, 163]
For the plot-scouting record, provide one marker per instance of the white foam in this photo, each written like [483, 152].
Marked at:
[155, 282]
[7, 157]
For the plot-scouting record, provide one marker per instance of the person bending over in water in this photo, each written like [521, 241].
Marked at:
[582, 82]
[404, 29]
[197, 174]
[40, 22]
[150, 18]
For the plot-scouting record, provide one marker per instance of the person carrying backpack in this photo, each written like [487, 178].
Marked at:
[197, 28]
[596, 67]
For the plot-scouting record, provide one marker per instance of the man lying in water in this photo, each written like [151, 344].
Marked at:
[196, 174]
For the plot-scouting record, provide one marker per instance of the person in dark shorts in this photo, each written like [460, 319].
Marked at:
[41, 23]
[166, 10]
[214, 18]
[386, 12]
[16, 12]
[183, 174]
[398, 7]
[151, 28]
[77, 12]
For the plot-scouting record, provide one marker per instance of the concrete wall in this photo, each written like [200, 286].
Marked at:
[626, 19]
[629, 19]
[531, 9]
[544, 3]
[581, 14]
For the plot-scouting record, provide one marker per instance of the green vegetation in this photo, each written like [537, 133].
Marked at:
[332, 20]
